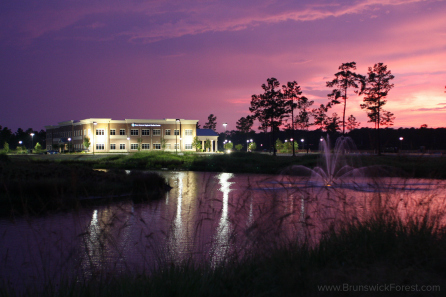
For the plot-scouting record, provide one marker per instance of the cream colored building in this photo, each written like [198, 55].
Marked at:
[129, 135]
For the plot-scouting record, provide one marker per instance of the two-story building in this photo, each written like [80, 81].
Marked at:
[129, 135]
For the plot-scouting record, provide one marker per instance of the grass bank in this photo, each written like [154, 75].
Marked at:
[37, 187]
[417, 166]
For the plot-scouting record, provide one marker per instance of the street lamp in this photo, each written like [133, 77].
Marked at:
[303, 144]
[94, 133]
[292, 145]
[69, 145]
[401, 139]
[32, 141]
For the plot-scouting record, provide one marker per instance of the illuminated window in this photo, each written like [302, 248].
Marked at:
[157, 146]
[145, 146]
[100, 146]
[167, 131]
[188, 132]
[145, 132]
[188, 146]
[134, 146]
[177, 132]
[134, 132]
[100, 132]
[112, 131]
[156, 132]
[121, 131]
[122, 146]
[112, 146]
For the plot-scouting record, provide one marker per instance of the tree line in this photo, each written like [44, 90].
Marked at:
[21, 138]
[285, 105]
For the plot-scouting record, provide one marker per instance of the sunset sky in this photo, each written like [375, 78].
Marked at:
[76, 59]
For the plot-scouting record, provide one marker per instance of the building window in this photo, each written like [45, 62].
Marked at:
[134, 146]
[134, 132]
[157, 146]
[122, 146]
[156, 132]
[121, 131]
[168, 146]
[177, 132]
[167, 131]
[100, 132]
[188, 132]
[100, 146]
[145, 132]
[176, 146]
[112, 146]
[112, 131]
[188, 146]
[145, 146]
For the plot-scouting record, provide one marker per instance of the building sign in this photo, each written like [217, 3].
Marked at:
[145, 125]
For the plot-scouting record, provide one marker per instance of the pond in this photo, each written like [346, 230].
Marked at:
[206, 217]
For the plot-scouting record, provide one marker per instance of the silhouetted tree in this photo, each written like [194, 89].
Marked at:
[352, 123]
[291, 92]
[320, 116]
[244, 124]
[269, 108]
[377, 87]
[331, 124]
[343, 80]
[211, 123]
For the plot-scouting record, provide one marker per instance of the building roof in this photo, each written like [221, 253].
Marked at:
[206, 132]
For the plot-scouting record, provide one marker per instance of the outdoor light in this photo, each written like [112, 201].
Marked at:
[321, 139]
[20, 142]
[69, 145]
[401, 139]
[32, 141]
[224, 125]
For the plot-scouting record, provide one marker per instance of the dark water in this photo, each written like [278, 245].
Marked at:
[206, 217]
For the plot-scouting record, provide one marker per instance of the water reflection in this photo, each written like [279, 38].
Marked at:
[221, 238]
[205, 215]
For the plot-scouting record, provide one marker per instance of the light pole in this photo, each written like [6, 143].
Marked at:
[176, 135]
[303, 144]
[292, 144]
[128, 138]
[94, 133]
[32, 141]
[224, 125]
[401, 141]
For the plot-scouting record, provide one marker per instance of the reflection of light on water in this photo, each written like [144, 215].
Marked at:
[107, 240]
[176, 242]
[221, 244]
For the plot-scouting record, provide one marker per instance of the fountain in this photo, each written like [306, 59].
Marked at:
[339, 167]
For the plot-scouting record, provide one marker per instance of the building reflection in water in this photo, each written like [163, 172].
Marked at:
[106, 240]
[221, 243]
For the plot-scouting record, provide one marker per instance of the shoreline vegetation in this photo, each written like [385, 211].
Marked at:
[384, 252]
[410, 166]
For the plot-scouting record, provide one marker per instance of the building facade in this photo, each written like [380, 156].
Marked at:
[129, 135]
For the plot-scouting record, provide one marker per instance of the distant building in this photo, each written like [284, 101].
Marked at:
[129, 135]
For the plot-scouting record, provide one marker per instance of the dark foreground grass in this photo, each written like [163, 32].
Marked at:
[390, 256]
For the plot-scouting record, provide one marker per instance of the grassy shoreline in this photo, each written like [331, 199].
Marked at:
[417, 166]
